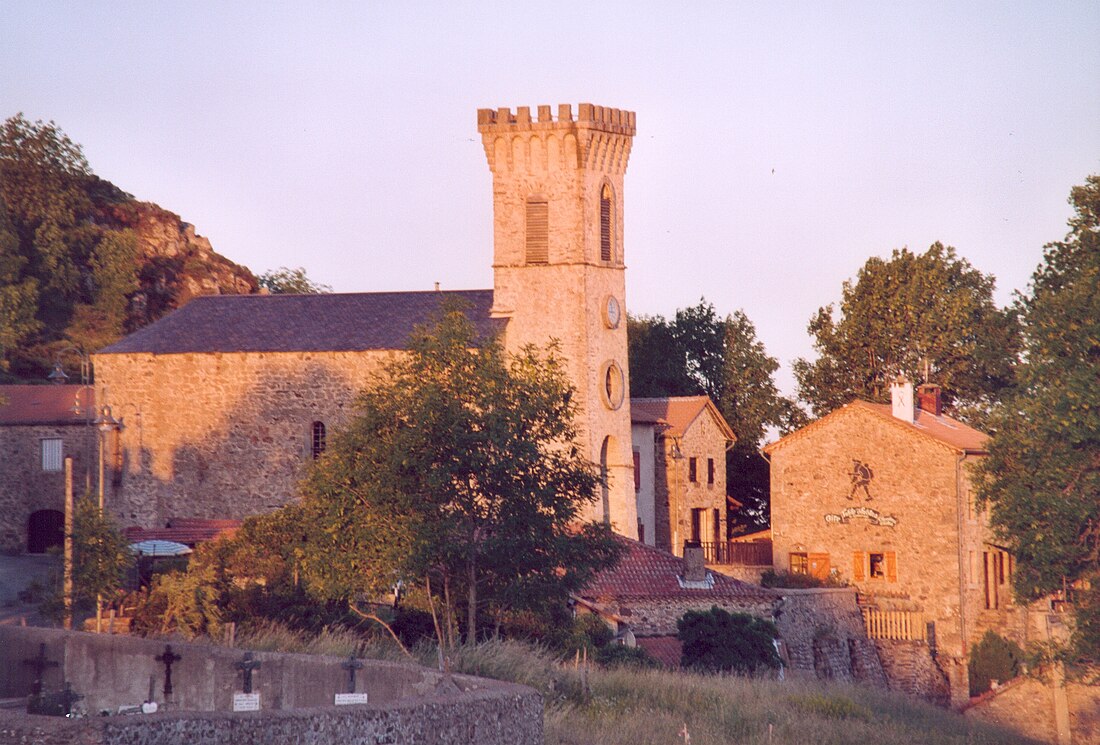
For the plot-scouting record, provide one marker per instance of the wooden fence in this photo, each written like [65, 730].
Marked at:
[904, 625]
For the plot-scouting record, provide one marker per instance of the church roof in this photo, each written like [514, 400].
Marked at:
[648, 573]
[46, 404]
[352, 322]
[950, 432]
[677, 412]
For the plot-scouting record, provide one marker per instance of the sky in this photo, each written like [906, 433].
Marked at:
[779, 145]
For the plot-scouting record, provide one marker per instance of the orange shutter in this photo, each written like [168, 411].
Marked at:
[859, 560]
[891, 566]
[819, 566]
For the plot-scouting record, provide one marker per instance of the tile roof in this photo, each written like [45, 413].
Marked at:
[668, 650]
[46, 404]
[945, 430]
[678, 412]
[302, 323]
[648, 573]
[184, 530]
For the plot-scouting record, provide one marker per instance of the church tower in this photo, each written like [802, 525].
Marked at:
[558, 269]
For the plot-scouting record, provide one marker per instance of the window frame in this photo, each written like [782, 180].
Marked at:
[46, 458]
[318, 439]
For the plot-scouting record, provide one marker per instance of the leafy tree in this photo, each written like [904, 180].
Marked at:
[18, 294]
[900, 314]
[1042, 476]
[458, 470]
[993, 658]
[284, 281]
[720, 641]
[699, 352]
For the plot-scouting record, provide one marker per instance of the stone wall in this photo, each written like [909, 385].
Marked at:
[1030, 706]
[816, 627]
[222, 435]
[911, 668]
[407, 703]
[659, 617]
[26, 488]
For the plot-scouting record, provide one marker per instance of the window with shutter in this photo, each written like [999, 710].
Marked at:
[859, 560]
[51, 454]
[819, 566]
[538, 232]
[800, 564]
[637, 471]
[606, 223]
[891, 566]
[710, 470]
[693, 470]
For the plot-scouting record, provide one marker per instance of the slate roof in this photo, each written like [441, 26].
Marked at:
[947, 431]
[677, 412]
[648, 573]
[352, 322]
[46, 404]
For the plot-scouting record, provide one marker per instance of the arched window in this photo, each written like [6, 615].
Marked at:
[317, 444]
[538, 231]
[607, 222]
[605, 479]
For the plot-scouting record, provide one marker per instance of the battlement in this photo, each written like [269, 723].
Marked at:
[589, 116]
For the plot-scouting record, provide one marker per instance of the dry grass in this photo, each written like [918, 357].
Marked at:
[654, 707]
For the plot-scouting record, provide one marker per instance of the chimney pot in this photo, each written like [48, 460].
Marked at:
[930, 398]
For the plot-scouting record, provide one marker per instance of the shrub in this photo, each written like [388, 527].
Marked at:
[798, 581]
[618, 655]
[719, 641]
[993, 658]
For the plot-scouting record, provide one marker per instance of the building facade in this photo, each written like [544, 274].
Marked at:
[881, 497]
[41, 426]
[223, 401]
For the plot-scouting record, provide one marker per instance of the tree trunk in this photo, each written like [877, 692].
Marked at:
[471, 600]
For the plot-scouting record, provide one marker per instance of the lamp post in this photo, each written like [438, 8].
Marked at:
[106, 424]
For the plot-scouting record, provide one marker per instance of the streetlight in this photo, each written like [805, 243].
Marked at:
[106, 424]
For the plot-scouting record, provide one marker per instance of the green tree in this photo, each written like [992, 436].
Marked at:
[720, 641]
[284, 281]
[901, 314]
[1042, 476]
[700, 352]
[459, 468]
[18, 293]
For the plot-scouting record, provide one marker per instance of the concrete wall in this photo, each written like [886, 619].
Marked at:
[407, 703]
[26, 488]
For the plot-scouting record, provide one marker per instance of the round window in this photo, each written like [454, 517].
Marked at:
[613, 388]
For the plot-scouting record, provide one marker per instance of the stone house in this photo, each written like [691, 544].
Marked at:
[881, 497]
[223, 401]
[40, 426]
[680, 446]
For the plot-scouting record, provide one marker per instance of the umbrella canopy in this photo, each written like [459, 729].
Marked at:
[159, 548]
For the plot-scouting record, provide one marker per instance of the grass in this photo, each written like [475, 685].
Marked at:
[655, 707]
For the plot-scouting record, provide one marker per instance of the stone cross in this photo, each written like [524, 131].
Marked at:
[246, 666]
[168, 658]
[40, 663]
[351, 665]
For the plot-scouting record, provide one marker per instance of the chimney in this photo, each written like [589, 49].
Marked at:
[695, 569]
[901, 398]
[929, 398]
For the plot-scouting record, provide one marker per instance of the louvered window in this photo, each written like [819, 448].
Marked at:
[538, 232]
[51, 454]
[605, 223]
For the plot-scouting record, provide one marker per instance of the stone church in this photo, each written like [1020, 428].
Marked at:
[220, 403]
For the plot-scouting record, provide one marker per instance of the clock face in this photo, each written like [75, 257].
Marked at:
[612, 312]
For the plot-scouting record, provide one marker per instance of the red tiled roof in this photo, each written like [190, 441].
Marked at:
[945, 430]
[678, 412]
[668, 650]
[648, 573]
[302, 323]
[46, 404]
[188, 530]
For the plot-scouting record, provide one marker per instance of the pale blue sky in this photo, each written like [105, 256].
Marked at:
[342, 137]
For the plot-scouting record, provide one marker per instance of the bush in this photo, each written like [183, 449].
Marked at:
[718, 641]
[619, 655]
[993, 658]
[782, 578]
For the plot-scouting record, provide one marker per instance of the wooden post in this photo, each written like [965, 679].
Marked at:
[68, 544]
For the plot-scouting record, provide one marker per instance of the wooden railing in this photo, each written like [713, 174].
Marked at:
[906, 625]
[755, 554]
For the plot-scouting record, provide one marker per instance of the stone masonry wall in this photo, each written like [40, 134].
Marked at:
[659, 617]
[26, 488]
[816, 627]
[222, 435]
[408, 704]
[911, 668]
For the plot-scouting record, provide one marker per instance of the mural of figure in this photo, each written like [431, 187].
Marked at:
[861, 476]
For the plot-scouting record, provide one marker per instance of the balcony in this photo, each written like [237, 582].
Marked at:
[755, 554]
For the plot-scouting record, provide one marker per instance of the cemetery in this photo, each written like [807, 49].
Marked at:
[67, 687]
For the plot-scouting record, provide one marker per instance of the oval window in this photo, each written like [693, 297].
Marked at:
[613, 388]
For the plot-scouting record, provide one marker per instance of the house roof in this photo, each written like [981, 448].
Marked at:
[667, 650]
[189, 531]
[302, 323]
[648, 573]
[677, 412]
[46, 404]
[943, 429]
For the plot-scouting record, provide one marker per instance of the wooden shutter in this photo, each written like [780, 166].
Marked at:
[605, 226]
[859, 560]
[891, 566]
[819, 566]
[538, 233]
